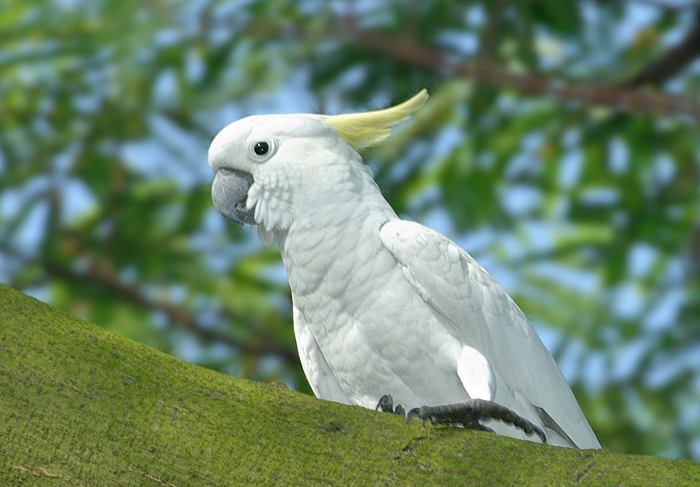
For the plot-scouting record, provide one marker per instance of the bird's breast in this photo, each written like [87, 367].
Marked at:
[371, 326]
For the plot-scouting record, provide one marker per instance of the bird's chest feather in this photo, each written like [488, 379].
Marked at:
[338, 274]
[368, 321]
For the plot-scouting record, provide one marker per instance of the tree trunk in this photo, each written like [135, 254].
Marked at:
[79, 406]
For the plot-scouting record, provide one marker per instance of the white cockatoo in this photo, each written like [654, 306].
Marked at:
[386, 311]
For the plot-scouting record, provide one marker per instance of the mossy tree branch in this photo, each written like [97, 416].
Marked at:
[79, 406]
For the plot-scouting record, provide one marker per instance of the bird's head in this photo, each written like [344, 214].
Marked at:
[267, 168]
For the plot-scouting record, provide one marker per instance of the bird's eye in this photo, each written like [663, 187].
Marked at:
[261, 148]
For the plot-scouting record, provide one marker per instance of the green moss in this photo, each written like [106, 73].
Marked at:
[79, 406]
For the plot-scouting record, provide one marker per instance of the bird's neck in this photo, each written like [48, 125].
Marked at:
[338, 234]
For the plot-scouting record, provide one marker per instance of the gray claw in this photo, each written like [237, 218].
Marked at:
[385, 404]
[469, 413]
[415, 413]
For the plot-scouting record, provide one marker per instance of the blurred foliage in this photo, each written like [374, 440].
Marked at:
[587, 214]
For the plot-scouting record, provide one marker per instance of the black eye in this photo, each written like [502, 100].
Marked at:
[261, 148]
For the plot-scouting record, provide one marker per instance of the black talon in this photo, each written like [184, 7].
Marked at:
[478, 426]
[470, 412]
[466, 414]
[415, 413]
[386, 405]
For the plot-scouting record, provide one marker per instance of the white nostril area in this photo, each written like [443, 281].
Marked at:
[217, 151]
[214, 156]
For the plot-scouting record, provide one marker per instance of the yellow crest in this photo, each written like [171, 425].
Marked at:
[362, 130]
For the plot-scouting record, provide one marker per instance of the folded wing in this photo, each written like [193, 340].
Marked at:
[480, 314]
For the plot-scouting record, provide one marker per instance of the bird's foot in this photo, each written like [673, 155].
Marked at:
[386, 405]
[469, 413]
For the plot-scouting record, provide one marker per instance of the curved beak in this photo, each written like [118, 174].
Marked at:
[229, 193]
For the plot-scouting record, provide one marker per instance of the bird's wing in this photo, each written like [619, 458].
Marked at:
[318, 373]
[480, 314]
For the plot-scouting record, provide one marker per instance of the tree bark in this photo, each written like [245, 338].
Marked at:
[80, 406]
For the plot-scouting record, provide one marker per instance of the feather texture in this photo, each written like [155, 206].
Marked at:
[466, 300]
[384, 306]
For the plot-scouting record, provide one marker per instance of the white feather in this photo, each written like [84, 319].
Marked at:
[383, 306]
[480, 314]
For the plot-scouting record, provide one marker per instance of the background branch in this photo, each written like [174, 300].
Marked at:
[406, 49]
[673, 61]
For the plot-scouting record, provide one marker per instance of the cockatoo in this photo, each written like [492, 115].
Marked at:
[386, 311]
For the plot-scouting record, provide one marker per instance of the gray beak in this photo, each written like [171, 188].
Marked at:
[229, 192]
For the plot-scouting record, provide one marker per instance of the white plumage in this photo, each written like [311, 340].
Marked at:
[382, 305]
